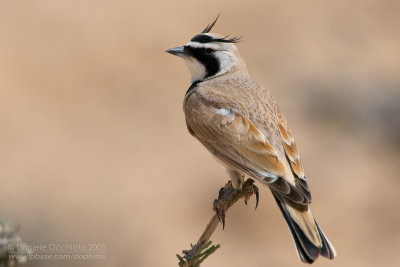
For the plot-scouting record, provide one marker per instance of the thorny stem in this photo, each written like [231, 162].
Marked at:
[228, 196]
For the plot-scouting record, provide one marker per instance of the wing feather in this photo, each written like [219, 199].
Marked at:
[293, 156]
[234, 136]
[237, 142]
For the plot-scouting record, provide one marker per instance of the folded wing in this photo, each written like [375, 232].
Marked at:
[237, 142]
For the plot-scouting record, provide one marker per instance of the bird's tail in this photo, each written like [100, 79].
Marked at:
[308, 237]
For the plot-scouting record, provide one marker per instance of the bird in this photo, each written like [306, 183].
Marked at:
[239, 122]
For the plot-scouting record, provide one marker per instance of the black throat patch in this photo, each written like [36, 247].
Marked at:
[192, 87]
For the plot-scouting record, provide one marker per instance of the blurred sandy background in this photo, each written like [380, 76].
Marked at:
[94, 147]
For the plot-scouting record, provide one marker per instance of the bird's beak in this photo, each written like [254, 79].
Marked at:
[178, 51]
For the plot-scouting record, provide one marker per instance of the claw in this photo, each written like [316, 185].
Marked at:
[245, 202]
[223, 218]
[255, 190]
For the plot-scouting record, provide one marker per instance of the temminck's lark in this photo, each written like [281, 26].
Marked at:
[239, 122]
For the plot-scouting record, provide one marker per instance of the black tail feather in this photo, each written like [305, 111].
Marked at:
[307, 251]
[327, 249]
[300, 249]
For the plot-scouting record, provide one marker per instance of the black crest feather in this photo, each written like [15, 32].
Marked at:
[227, 40]
[206, 39]
[210, 26]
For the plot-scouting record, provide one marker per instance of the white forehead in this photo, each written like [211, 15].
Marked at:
[212, 45]
[201, 45]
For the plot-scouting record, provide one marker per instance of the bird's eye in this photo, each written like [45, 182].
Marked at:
[209, 51]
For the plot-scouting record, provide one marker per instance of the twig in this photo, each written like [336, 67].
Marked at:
[227, 197]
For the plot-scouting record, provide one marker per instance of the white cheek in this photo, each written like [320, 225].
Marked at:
[197, 69]
[226, 60]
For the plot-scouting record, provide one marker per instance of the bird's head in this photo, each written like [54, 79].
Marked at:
[209, 55]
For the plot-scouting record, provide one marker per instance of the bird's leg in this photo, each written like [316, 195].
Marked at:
[228, 195]
[237, 179]
[237, 183]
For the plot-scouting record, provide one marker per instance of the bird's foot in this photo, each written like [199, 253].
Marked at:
[227, 195]
[221, 204]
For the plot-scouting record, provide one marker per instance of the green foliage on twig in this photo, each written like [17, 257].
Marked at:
[193, 258]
